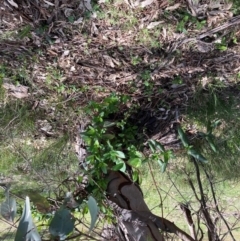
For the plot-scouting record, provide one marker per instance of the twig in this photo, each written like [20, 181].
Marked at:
[216, 203]
[155, 183]
[212, 235]
[176, 188]
[230, 23]
[11, 224]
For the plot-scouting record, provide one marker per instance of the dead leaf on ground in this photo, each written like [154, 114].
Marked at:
[174, 7]
[11, 2]
[19, 91]
[143, 4]
[154, 24]
[85, 5]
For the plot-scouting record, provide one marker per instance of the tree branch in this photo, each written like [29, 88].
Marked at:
[216, 203]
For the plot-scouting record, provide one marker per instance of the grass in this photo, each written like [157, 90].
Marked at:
[171, 197]
[217, 104]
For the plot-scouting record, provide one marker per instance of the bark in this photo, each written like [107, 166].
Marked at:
[137, 222]
[188, 217]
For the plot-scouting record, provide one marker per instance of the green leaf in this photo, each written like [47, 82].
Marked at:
[135, 176]
[108, 136]
[120, 154]
[154, 145]
[216, 124]
[25, 32]
[91, 131]
[138, 154]
[209, 128]
[183, 137]
[167, 156]
[104, 169]
[26, 229]
[94, 210]
[163, 165]
[96, 144]
[118, 167]
[62, 224]
[197, 155]
[209, 139]
[159, 146]
[135, 162]
[123, 169]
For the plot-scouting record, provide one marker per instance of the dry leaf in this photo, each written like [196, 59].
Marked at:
[108, 61]
[13, 3]
[49, 3]
[19, 91]
[174, 7]
[145, 3]
[85, 5]
[142, 4]
[66, 53]
[80, 20]
[94, 29]
[68, 12]
[154, 24]
[204, 81]
[164, 33]
[227, 6]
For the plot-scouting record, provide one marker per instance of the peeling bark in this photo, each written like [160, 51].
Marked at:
[189, 220]
[136, 220]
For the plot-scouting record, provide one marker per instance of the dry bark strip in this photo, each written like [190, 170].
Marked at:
[137, 221]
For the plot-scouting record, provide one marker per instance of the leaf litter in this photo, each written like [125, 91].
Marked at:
[97, 50]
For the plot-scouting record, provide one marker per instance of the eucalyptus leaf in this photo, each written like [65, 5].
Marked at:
[209, 139]
[9, 209]
[94, 210]
[183, 137]
[27, 230]
[192, 152]
[209, 127]
[159, 146]
[163, 165]
[154, 145]
[62, 224]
